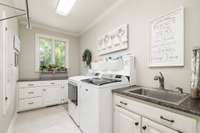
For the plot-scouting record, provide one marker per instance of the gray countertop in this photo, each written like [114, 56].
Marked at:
[43, 79]
[189, 105]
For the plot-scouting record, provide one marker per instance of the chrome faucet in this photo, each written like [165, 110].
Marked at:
[180, 89]
[161, 80]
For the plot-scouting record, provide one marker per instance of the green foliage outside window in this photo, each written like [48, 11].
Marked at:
[60, 53]
[52, 55]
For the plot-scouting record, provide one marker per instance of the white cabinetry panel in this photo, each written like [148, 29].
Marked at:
[30, 92]
[36, 94]
[51, 95]
[126, 122]
[30, 103]
[149, 126]
[178, 122]
[174, 120]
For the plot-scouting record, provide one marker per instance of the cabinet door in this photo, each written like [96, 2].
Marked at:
[126, 122]
[51, 95]
[149, 126]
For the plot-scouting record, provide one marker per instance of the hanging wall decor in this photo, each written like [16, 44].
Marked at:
[87, 57]
[167, 40]
[113, 41]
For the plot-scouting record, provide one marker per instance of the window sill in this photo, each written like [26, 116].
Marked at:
[51, 72]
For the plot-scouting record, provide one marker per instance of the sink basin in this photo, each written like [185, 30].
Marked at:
[160, 95]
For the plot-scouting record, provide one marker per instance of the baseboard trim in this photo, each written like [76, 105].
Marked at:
[12, 123]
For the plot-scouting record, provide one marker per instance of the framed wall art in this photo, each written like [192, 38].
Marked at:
[113, 41]
[167, 39]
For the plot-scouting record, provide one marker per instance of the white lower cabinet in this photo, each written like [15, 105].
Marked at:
[132, 116]
[36, 94]
[51, 95]
[126, 122]
[149, 126]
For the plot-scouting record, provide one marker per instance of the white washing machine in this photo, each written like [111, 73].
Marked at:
[95, 97]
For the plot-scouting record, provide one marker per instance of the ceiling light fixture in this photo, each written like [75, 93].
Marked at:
[64, 7]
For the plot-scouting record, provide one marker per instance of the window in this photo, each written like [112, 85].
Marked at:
[51, 51]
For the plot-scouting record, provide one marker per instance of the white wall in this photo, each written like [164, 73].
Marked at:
[5, 119]
[27, 55]
[137, 14]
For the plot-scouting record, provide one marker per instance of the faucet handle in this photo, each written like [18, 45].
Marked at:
[180, 89]
[161, 75]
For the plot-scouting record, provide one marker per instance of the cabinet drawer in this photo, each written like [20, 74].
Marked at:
[149, 126]
[168, 118]
[32, 103]
[50, 83]
[30, 93]
[28, 84]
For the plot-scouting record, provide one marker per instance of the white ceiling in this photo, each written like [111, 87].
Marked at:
[82, 14]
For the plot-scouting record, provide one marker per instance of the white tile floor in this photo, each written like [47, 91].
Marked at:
[47, 120]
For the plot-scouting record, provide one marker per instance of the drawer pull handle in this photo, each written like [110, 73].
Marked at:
[31, 92]
[31, 103]
[144, 127]
[163, 118]
[30, 84]
[86, 89]
[136, 123]
[53, 83]
[123, 103]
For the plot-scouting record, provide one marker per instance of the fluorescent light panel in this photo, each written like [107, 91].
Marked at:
[64, 7]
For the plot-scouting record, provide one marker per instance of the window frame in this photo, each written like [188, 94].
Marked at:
[53, 38]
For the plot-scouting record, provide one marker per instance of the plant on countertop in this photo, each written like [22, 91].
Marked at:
[87, 57]
[52, 68]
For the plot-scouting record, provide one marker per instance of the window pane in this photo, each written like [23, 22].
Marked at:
[60, 53]
[45, 51]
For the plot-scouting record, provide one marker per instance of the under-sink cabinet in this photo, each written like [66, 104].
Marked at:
[126, 122]
[132, 116]
[36, 94]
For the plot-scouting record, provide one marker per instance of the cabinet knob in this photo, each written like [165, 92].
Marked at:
[6, 98]
[86, 89]
[136, 123]
[144, 127]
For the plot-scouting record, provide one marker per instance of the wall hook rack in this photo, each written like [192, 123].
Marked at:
[24, 13]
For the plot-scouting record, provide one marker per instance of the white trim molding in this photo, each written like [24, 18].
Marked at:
[50, 28]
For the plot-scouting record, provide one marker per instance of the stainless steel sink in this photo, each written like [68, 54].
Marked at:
[160, 95]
